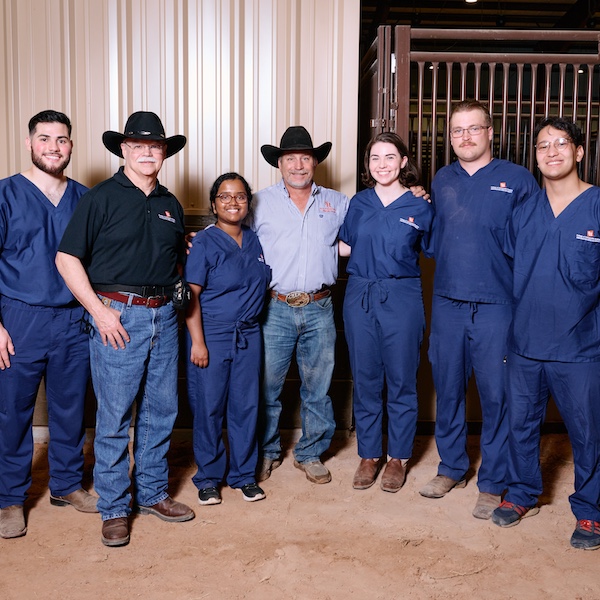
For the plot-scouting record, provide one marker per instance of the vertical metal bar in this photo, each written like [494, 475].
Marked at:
[576, 91]
[463, 80]
[428, 147]
[588, 124]
[491, 89]
[477, 82]
[384, 60]
[547, 90]
[434, 96]
[401, 99]
[532, 116]
[519, 112]
[561, 89]
[421, 87]
[449, 68]
[503, 137]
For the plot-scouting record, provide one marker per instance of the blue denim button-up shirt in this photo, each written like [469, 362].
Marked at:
[301, 249]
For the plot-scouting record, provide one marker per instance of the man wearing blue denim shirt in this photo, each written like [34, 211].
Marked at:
[297, 223]
[119, 256]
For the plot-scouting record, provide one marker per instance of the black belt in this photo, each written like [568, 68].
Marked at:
[300, 299]
[147, 291]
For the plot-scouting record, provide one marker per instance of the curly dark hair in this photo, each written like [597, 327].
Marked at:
[409, 175]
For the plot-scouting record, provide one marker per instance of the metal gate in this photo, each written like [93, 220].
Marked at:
[408, 88]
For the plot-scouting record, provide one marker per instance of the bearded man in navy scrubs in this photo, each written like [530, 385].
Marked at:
[554, 343]
[42, 333]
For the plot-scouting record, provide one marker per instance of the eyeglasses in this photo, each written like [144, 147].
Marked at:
[226, 199]
[560, 144]
[473, 130]
[154, 148]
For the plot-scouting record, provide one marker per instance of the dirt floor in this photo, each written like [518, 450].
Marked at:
[307, 541]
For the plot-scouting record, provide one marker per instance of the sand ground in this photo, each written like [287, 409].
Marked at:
[307, 541]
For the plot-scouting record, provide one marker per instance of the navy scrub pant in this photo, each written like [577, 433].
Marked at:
[575, 388]
[470, 337]
[227, 387]
[49, 343]
[384, 323]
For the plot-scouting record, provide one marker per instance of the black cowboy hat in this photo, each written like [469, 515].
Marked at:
[295, 139]
[143, 125]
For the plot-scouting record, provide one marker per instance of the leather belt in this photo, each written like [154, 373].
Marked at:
[151, 302]
[300, 299]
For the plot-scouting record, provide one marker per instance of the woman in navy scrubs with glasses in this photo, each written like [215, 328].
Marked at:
[228, 277]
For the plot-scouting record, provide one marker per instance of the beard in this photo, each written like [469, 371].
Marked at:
[53, 169]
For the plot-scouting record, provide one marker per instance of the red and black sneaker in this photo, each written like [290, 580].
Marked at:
[509, 514]
[586, 535]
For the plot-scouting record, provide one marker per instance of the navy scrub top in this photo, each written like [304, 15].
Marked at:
[556, 279]
[234, 280]
[386, 240]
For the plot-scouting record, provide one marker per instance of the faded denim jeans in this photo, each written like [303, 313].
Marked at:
[310, 331]
[145, 370]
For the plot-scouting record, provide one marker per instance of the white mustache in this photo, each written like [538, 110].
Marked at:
[146, 159]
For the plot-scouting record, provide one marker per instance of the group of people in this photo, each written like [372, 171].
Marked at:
[516, 302]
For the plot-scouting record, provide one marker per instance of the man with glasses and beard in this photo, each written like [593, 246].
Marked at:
[42, 333]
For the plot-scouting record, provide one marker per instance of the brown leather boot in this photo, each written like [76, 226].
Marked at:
[367, 472]
[115, 532]
[394, 476]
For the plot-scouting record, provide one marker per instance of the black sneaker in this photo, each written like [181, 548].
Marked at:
[209, 495]
[586, 535]
[251, 492]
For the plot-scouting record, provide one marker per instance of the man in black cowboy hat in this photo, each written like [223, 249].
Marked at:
[119, 256]
[297, 222]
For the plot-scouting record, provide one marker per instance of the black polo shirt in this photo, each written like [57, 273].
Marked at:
[124, 237]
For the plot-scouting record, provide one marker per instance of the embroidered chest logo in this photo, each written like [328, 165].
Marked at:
[590, 236]
[327, 208]
[501, 187]
[166, 217]
[410, 221]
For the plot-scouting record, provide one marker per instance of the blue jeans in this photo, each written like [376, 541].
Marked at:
[146, 371]
[310, 331]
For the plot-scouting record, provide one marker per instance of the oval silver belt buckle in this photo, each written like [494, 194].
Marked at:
[297, 299]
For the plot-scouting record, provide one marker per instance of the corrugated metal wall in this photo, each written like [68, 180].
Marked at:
[229, 74]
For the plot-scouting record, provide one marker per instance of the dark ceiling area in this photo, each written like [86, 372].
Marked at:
[484, 14]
